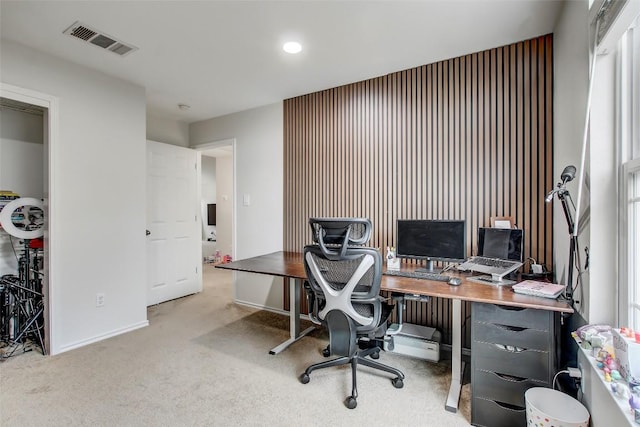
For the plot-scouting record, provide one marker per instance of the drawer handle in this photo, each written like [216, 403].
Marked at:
[510, 348]
[510, 407]
[509, 328]
[509, 378]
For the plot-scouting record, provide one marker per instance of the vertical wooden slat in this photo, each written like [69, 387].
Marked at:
[466, 138]
[548, 126]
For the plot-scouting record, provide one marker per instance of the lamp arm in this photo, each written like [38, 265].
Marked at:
[564, 197]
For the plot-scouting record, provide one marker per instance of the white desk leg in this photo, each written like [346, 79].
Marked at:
[294, 317]
[457, 365]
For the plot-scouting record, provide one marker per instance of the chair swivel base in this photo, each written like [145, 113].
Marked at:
[358, 358]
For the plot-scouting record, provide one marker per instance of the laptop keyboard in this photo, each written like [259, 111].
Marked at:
[492, 262]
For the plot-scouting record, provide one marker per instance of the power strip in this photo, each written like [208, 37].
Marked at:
[574, 372]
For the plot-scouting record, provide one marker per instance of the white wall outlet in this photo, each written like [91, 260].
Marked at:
[246, 199]
[99, 300]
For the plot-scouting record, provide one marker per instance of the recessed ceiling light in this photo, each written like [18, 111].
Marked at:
[292, 47]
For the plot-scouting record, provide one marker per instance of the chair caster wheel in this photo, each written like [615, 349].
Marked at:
[326, 352]
[397, 382]
[304, 378]
[375, 355]
[351, 402]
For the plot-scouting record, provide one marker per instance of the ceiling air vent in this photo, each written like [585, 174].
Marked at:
[98, 38]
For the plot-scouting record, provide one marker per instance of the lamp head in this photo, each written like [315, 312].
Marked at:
[549, 197]
[568, 174]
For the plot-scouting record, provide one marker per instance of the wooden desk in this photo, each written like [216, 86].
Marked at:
[289, 265]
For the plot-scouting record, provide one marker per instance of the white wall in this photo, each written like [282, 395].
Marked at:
[224, 184]
[21, 167]
[599, 233]
[97, 196]
[571, 83]
[169, 131]
[21, 126]
[259, 174]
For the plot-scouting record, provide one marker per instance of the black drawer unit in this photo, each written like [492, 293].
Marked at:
[504, 388]
[496, 414]
[512, 350]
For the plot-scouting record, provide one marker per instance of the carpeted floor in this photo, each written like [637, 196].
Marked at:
[204, 361]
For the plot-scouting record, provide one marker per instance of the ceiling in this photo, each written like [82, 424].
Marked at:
[221, 57]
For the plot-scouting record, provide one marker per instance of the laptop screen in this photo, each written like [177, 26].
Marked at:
[503, 243]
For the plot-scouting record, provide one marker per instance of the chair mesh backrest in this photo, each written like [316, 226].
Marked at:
[337, 273]
[338, 258]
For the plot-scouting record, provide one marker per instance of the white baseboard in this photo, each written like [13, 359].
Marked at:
[102, 337]
[271, 309]
[261, 307]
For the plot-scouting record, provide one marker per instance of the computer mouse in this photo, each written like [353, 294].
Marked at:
[455, 281]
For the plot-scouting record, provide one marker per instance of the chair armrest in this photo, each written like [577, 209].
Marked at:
[312, 302]
[399, 299]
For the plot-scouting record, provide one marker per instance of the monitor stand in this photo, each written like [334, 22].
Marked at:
[489, 280]
[429, 268]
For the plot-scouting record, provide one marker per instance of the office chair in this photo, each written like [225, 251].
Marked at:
[343, 289]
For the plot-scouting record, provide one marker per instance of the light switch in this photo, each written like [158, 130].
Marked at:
[246, 200]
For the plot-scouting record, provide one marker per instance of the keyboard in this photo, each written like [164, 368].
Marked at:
[494, 266]
[418, 275]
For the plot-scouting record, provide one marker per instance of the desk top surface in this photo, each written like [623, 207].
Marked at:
[290, 264]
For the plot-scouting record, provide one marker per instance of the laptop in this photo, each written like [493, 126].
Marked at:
[499, 254]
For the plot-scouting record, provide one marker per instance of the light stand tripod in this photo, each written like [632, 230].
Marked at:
[565, 198]
[21, 296]
[23, 301]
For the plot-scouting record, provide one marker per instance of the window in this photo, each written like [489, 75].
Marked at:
[631, 171]
[629, 149]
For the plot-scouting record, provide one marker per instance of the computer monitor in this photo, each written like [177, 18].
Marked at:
[503, 243]
[432, 240]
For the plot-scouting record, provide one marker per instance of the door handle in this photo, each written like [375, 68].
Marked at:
[148, 232]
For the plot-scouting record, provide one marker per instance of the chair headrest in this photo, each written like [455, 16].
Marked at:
[335, 235]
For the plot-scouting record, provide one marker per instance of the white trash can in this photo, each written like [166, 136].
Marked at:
[547, 407]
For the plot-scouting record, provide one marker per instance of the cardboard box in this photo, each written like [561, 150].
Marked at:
[627, 355]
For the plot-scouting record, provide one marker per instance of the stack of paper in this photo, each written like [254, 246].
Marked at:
[538, 289]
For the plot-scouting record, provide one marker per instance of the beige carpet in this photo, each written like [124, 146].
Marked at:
[204, 361]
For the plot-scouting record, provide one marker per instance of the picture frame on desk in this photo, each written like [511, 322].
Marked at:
[393, 264]
[502, 222]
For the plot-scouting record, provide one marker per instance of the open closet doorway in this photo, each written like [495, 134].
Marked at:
[29, 130]
[217, 184]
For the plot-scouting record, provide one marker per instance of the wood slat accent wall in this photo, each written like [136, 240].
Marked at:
[466, 138]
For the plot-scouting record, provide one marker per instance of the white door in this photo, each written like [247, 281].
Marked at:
[173, 227]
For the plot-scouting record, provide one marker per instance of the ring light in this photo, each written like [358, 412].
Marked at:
[24, 204]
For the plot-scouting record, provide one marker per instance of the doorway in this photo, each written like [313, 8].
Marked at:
[217, 189]
[45, 110]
